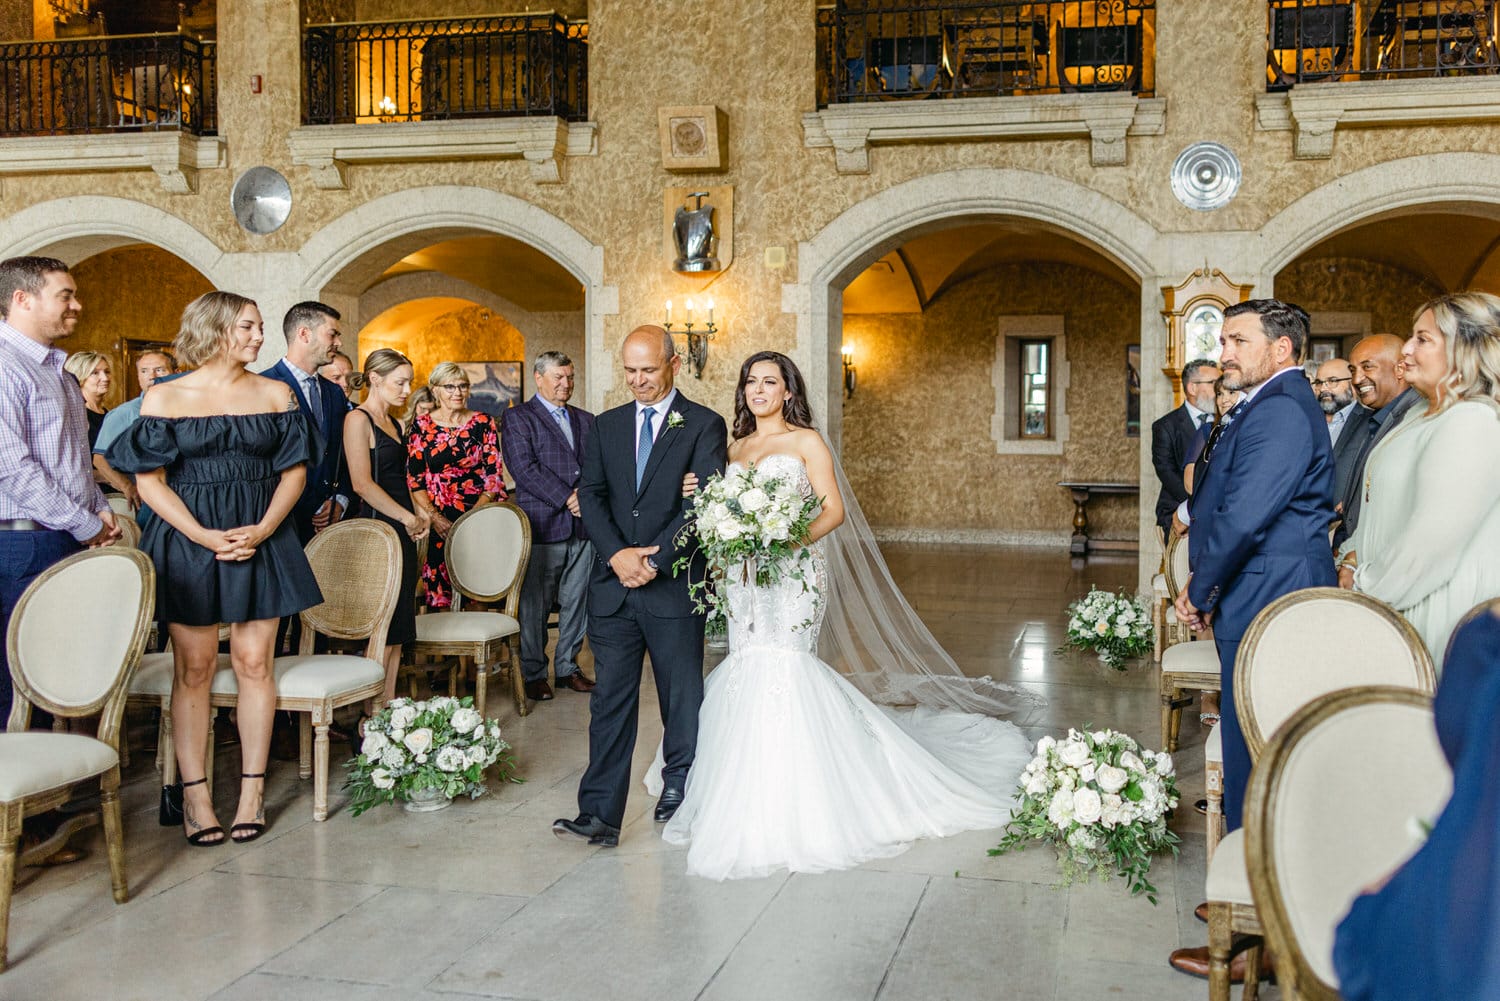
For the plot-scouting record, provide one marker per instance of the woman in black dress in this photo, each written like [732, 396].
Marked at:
[376, 453]
[91, 369]
[220, 456]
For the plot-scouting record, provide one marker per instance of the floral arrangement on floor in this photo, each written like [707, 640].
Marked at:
[1102, 801]
[441, 744]
[746, 518]
[1114, 626]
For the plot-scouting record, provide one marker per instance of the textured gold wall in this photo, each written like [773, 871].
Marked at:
[134, 292]
[1340, 284]
[917, 443]
[472, 334]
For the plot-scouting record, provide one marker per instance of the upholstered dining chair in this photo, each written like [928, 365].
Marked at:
[1187, 664]
[71, 666]
[130, 533]
[1301, 646]
[487, 552]
[358, 567]
[120, 506]
[1329, 811]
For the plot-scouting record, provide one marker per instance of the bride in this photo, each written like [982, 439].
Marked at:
[797, 766]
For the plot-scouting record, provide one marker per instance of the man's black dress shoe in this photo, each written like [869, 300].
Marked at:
[538, 691]
[589, 828]
[670, 800]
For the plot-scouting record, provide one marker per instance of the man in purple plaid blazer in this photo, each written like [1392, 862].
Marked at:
[542, 442]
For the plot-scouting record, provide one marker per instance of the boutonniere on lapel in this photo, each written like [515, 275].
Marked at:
[675, 420]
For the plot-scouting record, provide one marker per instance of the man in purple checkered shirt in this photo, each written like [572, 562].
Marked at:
[49, 504]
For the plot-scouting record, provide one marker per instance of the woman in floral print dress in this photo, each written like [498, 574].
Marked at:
[453, 465]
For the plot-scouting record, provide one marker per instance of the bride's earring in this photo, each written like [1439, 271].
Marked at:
[786, 408]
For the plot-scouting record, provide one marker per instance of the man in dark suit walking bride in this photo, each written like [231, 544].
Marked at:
[630, 498]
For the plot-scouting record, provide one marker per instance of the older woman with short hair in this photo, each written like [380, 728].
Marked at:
[92, 370]
[453, 466]
[1429, 527]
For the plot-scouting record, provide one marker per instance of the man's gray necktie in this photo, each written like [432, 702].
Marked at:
[561, 416]
[315, 400]
[643, 449]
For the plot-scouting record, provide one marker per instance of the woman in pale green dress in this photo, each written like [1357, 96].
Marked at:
[1428, 541]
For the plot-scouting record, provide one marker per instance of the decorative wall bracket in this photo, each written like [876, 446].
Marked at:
[1315, 112]
[175, 157]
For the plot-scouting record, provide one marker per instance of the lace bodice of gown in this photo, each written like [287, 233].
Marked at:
[787, 614]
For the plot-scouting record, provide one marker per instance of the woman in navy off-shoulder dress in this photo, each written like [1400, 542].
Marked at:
[220, 456]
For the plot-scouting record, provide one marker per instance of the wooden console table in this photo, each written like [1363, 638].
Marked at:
[1081, 492]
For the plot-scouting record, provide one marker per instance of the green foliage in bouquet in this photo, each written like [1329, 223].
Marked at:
[441, 744]
[1114, 626]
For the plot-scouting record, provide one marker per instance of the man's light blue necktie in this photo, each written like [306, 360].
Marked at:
[643, 449]
[561, 416]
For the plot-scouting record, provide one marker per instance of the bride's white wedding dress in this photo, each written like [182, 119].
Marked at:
[796, 769]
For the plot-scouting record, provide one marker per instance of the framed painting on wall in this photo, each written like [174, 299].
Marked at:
[495, 386]
[130, 350]
[1132, 390]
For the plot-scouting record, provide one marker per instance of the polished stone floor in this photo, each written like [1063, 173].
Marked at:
[481, 901]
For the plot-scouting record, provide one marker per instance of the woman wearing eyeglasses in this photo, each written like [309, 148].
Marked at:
[453, 465]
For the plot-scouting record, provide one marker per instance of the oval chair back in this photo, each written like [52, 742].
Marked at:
[358, 567]
[1330, 809]
[130, 533]
[120, 506]
[1177, 569]
[79, 665]
[488, 548]
[1316, 641]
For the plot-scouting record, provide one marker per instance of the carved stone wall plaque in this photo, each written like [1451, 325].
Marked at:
[694, 139]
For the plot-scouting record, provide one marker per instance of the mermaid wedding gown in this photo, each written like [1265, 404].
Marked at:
[797, 769]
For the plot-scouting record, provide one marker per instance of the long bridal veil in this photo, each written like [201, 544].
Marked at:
[873, 636]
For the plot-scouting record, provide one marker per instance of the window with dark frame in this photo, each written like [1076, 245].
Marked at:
[1035, 396]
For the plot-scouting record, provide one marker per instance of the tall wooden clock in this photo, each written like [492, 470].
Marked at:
[1194, 314]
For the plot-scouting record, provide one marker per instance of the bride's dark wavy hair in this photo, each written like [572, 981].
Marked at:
[794, 411]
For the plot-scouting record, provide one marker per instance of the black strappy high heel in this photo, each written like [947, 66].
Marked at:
[200, 838]
[250, 829]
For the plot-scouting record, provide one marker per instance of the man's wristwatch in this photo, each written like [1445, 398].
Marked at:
[652, 564]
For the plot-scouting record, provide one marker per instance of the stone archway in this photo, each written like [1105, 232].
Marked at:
[81, 226]
[866, 231]
[345, 256]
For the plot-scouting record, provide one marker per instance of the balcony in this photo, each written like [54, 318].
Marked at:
[1054, 68]
[513, 85]
[1334, 64]
[111, 102]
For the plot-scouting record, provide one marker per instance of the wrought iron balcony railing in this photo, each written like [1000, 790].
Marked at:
[476, 67]
[108, 83]
[881, 50]
[1311, 41]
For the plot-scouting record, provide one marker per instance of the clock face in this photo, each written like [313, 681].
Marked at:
[1202, 331]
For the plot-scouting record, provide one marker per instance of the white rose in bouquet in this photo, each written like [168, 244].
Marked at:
[451, 759]
[1163, 763]
[1046, 744]
[1036, 784]
[1112, 779]
[419, 742]
[1073, 753]
[754, 499]
[1060, 811]
[465, 720]
[382, 778]
[1123, 632]
[1086, 806]
[776, 527]
[475, 755]
[729, 530]
[402, 717]
[1102, 627]
[1086, 773]
[373, 744]
[1131, 763]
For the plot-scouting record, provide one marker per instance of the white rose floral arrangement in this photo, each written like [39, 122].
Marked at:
[1114, 626]
[746, 518]
[441, 744]
[1102, 801]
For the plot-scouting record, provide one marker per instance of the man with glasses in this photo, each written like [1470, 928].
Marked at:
[1334, 386]
[1172, 436]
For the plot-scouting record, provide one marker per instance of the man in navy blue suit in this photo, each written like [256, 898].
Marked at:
[631, 498]
[1259, 514]
[543, 441]
[312, 339]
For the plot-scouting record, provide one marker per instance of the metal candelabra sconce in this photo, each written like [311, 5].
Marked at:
[851, 375]
[697, 337]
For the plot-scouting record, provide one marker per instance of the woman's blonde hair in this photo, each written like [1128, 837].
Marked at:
[81, 364]
[422, 397]
[1470, 325]
[381, 362]
[443, 371]
[205, 326]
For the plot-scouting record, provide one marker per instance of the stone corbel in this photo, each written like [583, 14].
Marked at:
[1314, 136]
[545, 151]
[329, 173]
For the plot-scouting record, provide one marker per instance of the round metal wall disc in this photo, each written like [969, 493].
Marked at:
[261, 200]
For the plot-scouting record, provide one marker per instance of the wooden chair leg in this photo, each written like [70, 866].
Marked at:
[320, 765]
[114, 833]
[517, 682]
[165, 746]
[208, 753]
[10, 839]
[481, 686]
[304, 745]
[1220, 943]
[1166, 722]
[1176, 719]
[1251, 991]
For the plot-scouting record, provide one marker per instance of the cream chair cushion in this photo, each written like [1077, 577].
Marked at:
[1199, 657]
[465, 627]
[1228, 878]
[38, 761]
[154, 676]
[322, 676]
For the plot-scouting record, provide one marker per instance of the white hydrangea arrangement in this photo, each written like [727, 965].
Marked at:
[1102, 801]
[441, 743]
[747, 517]
[1114, 626]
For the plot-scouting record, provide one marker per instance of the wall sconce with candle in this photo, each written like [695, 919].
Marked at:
[851, 375]
[695, 337]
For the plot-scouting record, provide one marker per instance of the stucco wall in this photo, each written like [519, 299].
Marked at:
[1340, 284]
[472, 334]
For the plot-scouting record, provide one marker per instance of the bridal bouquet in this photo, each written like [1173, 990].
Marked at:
[1112, 625]
[742, 518]
[442, 744]
[1102, 800]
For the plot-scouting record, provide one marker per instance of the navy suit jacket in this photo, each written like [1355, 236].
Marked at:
[1262, 509]
[545, 467]
[617, 515]
[329, 477]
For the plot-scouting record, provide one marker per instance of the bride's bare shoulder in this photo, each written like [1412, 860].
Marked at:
[809, 444]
